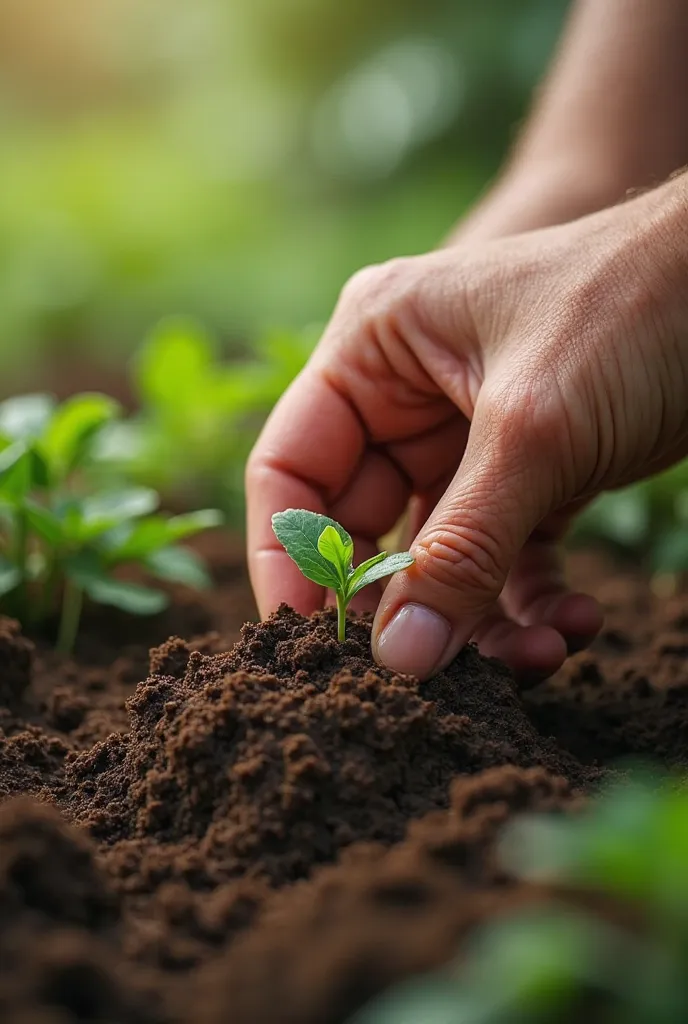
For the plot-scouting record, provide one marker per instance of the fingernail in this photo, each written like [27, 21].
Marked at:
[414, 641]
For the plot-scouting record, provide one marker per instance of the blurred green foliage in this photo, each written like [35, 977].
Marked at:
[61, 537]
[198, 416]
[648, 521]
[237, 162]
[562, 962]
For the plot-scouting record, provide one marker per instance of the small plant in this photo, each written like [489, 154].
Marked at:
[324, 551]
[60, 539]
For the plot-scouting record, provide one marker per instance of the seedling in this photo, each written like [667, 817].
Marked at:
[324, 551]
[60, 539]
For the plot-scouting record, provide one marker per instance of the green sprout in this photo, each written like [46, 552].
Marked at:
[61, 539]
[324, 551]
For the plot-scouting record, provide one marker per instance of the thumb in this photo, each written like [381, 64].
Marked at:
[503, 488]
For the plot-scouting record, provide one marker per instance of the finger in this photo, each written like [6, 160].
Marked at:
[373, 501]
[536, 594]
[466, 549]
[305, 457]
[535, 651]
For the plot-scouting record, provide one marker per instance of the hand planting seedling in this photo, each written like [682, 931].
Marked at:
[60, 539]
[324, 551]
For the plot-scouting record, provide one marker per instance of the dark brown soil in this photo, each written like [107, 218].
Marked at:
[274, 830]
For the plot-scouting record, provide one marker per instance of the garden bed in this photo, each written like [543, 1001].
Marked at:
[274, 830]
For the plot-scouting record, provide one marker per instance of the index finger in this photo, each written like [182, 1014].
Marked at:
[307, 453]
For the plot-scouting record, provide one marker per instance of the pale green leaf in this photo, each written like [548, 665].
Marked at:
[299, 531]
[102, 512]
[384, 567]
[21, 469]
[73, 426]
[335, 550]
[141, 539]
[44, 522]
[25, 417]
[128, 597]
[179, 565]
[177, 355]
[364, 566]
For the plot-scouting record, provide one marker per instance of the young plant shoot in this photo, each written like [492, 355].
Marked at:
[324, 551]
[62, 537]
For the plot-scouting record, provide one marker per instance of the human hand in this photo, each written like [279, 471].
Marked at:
[499, 387]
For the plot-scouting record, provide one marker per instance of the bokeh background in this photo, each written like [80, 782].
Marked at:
[237, 161]
[233, 163]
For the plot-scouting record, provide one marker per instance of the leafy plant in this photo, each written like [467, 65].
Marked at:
[324, 552]
[60, 538]
[554, 963]
[199, 416]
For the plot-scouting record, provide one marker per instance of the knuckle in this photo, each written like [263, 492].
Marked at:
[462, 556]
[255, 471]
[377, 285]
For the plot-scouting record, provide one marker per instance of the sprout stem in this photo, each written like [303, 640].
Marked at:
[341, 617]
[72, 602]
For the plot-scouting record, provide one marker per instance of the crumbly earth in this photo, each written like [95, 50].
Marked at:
[266, 827]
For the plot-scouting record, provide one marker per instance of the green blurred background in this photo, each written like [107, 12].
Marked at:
[233, 163]
[237, 161]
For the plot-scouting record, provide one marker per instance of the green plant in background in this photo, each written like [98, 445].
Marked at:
[61, 539]
[553, 964]
[648, 521]
[324, 552]
[198, 416]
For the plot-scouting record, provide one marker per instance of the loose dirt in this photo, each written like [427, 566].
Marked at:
[263, 826]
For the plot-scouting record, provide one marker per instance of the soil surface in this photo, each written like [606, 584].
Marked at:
[256, 826]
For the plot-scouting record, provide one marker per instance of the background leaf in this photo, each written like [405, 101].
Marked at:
[44, 522]
[128, 597]
[102, 512]
[141, 539]
[179, 565]
[72, 427]
[25, 417]
[21, 469]
[10, 576]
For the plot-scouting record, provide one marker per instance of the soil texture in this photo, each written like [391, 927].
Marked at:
[205, 824]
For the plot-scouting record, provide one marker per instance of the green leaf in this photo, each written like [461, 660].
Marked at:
[299, 531]
[177, 350]
[21, 469]
[72, 427]
[669, 553]
[102, 512]
[179, 565]
[25, 417]
[155, 532]
[44, 522]
[364, 566]
[384, 567]
[335, 550]
[10, 576]
[129, 597]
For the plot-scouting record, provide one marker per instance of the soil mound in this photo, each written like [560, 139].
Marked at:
[268, 761]
[273, 832]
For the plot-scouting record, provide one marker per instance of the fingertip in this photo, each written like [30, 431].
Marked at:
[578, 617]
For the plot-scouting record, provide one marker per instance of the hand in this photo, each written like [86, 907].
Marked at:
[498, 387]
